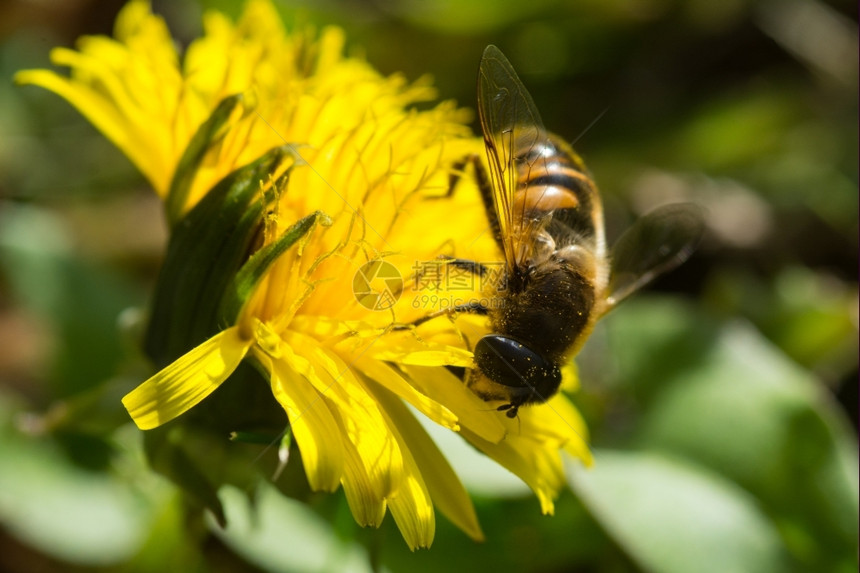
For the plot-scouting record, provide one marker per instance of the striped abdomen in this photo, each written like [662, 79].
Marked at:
[551, 178]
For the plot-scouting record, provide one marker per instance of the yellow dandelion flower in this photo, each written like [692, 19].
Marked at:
[347, 200]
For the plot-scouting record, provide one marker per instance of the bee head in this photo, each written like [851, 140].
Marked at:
[524, 376]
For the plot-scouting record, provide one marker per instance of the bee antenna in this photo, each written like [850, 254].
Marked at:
[590, 125]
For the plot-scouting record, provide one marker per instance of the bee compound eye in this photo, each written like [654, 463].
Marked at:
[511, 363]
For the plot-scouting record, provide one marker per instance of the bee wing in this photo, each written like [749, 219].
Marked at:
[653, 245]
[512, 127]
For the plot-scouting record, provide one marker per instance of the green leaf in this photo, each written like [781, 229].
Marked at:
[721, 395]
[209, 133]
[280, 534]
[749, 413]
[671, 516]
[653, 342]
[207, 247]
[81, 516]
[254, 270]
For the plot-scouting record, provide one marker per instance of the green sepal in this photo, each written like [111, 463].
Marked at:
[207, 248]
[208, 134]
[253, 271]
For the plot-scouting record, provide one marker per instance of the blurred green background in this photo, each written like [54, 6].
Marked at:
[722, 401]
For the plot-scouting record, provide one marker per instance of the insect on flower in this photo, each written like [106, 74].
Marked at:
[547, 218]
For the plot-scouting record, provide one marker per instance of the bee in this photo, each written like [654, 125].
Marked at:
[547, 218]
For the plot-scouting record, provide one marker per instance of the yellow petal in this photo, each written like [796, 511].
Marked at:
[472, 412]
[136, 22]
[442, 482]
[364, 425]
[539, 465]
[183, 384]
[317, 433]
[559, 421]
[554, 421]
[405, 348]
[92, 105]
[389, 378]
[570, 377]
[366, 505]
[413, 510]
[411, 504]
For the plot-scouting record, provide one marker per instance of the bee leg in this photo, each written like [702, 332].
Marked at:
[458, 170]
[472, 307]
[485, 187]
[473, 267]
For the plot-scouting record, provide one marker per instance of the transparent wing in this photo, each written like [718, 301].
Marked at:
[512, 127]
[655, 244]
